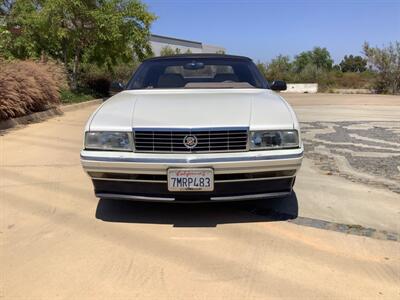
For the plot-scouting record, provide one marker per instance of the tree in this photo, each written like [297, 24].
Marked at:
[5, 7]
[353, 64]
[301, 61]
[168, 51]
[322, 58]
[262, 67]
[18, 25]
[277, 68]
[386, 62]
[319, 57]
[5, 34]
[96, 31]
[5, 41]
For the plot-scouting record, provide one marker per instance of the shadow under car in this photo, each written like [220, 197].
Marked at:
[198, 214]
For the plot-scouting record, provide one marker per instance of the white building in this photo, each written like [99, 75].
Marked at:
[158, 42]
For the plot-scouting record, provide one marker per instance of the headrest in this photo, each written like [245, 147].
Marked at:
[170, 80]
[221, 77]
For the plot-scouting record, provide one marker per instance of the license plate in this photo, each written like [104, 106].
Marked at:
[190, 180]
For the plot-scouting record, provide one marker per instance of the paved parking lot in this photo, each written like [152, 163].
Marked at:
[338, 236]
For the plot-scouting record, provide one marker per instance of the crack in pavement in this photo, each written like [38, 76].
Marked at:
[360, 151]
[328, 225]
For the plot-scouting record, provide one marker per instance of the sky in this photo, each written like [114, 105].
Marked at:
[263, 29]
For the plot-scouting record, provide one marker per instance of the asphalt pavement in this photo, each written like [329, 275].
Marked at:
[336, 237]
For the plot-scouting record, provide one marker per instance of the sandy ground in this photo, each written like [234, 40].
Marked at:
[58, 241]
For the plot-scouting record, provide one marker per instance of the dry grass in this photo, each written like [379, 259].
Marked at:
[27, 87]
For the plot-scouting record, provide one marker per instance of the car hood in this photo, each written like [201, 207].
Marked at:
[254, 108]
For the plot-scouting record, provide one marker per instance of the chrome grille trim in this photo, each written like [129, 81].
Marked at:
[209, 140]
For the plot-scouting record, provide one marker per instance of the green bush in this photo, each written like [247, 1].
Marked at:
[327, 79]
[98, 79]
[386, 63]
[353, 80]
[316, 66]
[123, 72]
[95, 79]
[68, 96]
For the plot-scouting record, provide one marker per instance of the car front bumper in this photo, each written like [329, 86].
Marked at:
[237, 176]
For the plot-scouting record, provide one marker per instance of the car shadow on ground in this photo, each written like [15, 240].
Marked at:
[200, 214]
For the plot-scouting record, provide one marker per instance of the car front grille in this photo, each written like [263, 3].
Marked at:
[191, 140]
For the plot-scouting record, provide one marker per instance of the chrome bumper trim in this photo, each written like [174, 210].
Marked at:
[212, 199]
[134, 198]
[216, 181]
[192, 160]
[253, 179]
[251, 197]
[128, 180]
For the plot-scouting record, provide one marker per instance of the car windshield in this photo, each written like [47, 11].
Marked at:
[197, 72]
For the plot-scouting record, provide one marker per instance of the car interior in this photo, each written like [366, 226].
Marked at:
[178, 77]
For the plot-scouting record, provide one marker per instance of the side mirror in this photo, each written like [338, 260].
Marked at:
[278, 85]
[116, 87]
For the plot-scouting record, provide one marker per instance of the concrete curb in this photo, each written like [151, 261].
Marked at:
[72, 107]
[44, 115]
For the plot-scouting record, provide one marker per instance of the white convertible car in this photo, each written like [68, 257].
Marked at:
[197, 127]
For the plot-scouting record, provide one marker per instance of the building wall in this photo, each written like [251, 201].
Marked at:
[157, 47]
[213, 49]
[158, 42]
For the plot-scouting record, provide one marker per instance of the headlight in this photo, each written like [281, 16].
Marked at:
[120, 141]
[274, 139]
